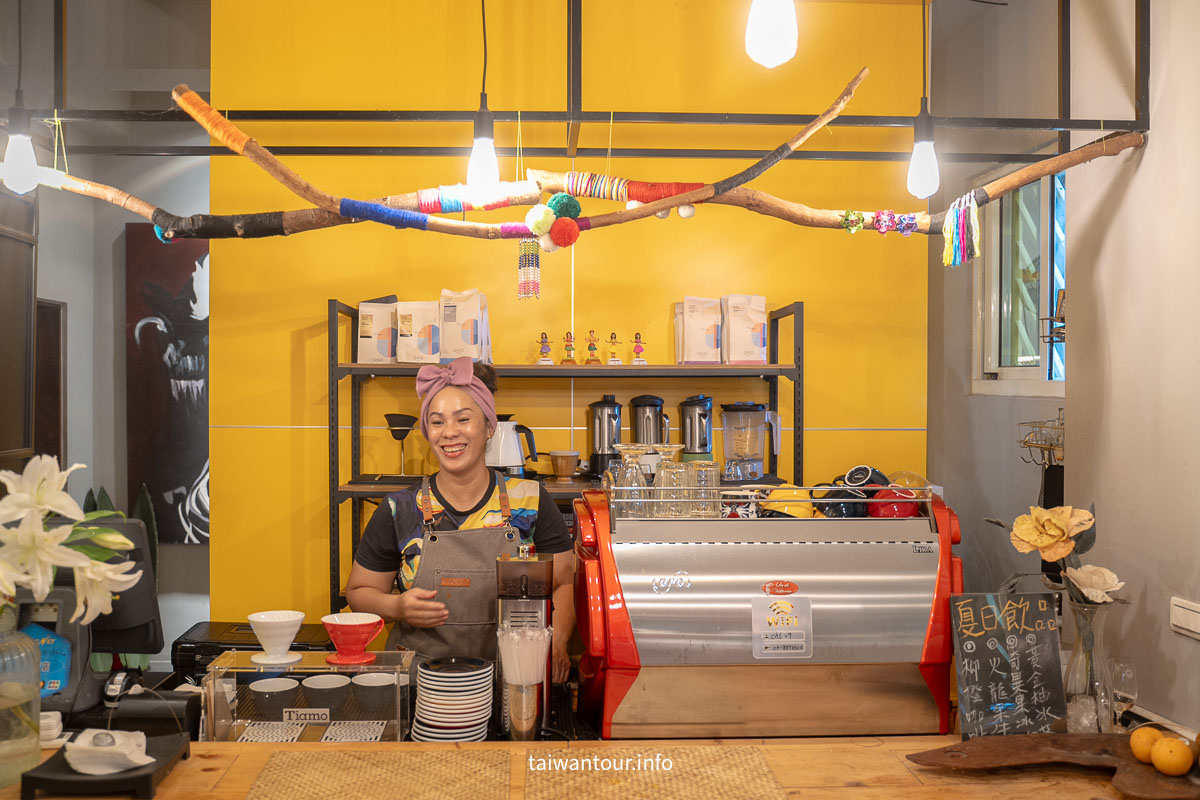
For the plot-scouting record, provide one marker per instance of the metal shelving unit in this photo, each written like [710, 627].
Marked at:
[358, 492]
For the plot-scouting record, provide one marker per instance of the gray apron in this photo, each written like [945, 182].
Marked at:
[461, 567]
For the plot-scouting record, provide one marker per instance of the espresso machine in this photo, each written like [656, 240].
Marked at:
[647, 422]
[745, 427]
[604, 431]
[524, 585]
[695, 425]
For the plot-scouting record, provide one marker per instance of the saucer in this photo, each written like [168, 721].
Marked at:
[286, 658]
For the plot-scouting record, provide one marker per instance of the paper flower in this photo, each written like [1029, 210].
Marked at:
[1095, 582]
[1050, 531]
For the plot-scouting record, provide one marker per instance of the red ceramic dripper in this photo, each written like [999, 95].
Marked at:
[350, 632]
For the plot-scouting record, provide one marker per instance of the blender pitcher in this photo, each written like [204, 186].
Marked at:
[744, 426]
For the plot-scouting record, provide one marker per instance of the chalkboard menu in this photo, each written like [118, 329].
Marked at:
[1009, 674]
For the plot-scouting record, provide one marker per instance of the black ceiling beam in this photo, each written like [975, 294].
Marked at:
[1064, 70]
[649, 117]
[574, 74]
[549, 152]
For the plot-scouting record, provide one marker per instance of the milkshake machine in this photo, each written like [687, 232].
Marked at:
[524, 585]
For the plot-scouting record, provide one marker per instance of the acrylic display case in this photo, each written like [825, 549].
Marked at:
[373, 706]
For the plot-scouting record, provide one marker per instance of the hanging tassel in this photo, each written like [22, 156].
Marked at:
[529, 270]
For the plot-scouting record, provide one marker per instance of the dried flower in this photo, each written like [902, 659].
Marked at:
[1050, 531]
[1095, 582]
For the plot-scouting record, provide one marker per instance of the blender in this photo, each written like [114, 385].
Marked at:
[695, 425]
[604, 431]
[745, 427]
[524, 586]
[648, 423]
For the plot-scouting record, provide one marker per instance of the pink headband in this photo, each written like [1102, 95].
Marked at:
[460, 373]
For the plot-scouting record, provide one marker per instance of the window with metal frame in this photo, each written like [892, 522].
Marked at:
[1019, 283]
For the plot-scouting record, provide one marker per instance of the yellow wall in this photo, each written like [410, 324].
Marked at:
[865, 296]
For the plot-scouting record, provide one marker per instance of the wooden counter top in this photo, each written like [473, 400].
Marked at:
[861, 767]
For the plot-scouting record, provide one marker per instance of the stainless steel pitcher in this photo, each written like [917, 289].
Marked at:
[648, 422]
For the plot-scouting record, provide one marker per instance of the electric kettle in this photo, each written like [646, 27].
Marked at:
[504, 448]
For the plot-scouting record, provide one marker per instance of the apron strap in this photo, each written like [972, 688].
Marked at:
[505, 507]
[426, 506]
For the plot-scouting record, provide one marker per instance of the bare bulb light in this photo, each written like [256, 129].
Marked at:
[771, 32]
[483, 169]
[20, 169]
[923, 176]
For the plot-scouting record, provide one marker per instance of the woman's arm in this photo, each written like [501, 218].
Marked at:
[371, 591]
[564, 613]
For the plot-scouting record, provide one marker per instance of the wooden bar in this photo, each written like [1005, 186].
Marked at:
[860, 767]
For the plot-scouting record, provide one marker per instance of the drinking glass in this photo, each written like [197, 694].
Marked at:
[1124, 688]
[629, 489]
[705, 478]
[671, 488]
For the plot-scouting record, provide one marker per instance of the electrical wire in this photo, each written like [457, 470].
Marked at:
[483, 17]
[924, 55]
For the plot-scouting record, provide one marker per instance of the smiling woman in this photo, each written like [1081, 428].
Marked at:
[438, 542]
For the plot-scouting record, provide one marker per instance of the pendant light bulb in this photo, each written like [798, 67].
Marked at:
[771, 32]
[20, 169]
[923, 175]
[483, 169]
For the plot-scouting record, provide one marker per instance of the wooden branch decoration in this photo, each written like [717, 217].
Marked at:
[417, 209]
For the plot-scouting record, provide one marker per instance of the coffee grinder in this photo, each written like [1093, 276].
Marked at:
[524, 585]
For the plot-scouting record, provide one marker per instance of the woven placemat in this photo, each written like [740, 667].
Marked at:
[714, 773]
[374, 775]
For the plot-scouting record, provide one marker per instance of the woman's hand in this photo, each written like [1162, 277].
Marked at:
[417, 608]
[561, 660]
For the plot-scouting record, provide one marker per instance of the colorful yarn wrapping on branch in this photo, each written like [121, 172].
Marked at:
[396, 217]
[961, 231]
[601, 187]
[645, 192]
[463, 197]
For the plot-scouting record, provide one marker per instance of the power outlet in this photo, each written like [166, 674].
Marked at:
[1185, 617]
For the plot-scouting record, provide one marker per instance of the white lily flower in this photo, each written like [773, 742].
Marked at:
[94, 584]
[1095, 582]
[39, 489]
[8, 579]
[35, 551]
[112, 540]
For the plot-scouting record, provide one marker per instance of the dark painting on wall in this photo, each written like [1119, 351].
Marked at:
[166, 379]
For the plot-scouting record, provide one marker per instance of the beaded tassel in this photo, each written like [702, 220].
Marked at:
[529, 270]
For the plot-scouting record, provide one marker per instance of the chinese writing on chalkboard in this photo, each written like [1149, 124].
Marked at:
[1009, 674]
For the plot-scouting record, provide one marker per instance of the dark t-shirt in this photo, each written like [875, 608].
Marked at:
[392, 539]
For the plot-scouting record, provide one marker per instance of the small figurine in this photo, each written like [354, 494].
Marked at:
[544, 349]
[638, 350]
[612, 349]
[568, 349]
[592, 338]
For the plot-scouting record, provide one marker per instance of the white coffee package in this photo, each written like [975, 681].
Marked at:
[418, 331]
[464, 326]
[743, 329]
[679, 333]
[376, 338]
[701, 330]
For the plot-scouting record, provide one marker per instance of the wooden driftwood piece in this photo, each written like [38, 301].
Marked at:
[1104, 750]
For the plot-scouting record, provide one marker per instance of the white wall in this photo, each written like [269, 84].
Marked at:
[988, 61]
[1134, 373]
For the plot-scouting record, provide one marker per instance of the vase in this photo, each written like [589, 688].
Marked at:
[19, 699]
[1087, 687]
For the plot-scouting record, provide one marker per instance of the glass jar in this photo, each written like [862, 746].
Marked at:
[705, 476]
[20, 702]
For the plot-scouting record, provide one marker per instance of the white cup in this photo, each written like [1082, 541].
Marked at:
[276, 630]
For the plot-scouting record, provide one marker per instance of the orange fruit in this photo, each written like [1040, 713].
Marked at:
[1141, 740]
[1171, 756]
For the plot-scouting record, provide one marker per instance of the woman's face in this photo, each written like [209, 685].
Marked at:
[458, 431]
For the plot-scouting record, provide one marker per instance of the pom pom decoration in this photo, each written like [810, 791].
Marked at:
[687, 211]
[546, 243]
[633, 204]
[666, 212]
[539, 219]
[564, 232]
[563, 205]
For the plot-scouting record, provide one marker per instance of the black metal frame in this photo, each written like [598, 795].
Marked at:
[574, 115]
[359, 374]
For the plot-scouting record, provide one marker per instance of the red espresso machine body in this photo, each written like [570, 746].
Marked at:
[700, 628]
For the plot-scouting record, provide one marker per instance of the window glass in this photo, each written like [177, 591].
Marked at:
[1020, 277]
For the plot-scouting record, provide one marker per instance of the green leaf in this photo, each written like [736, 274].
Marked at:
[1086, 540]
[103, 501]
[89, 502]
[143, 509]
[102, 663]
[100, 513]
[86, 532]
[95, 553]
